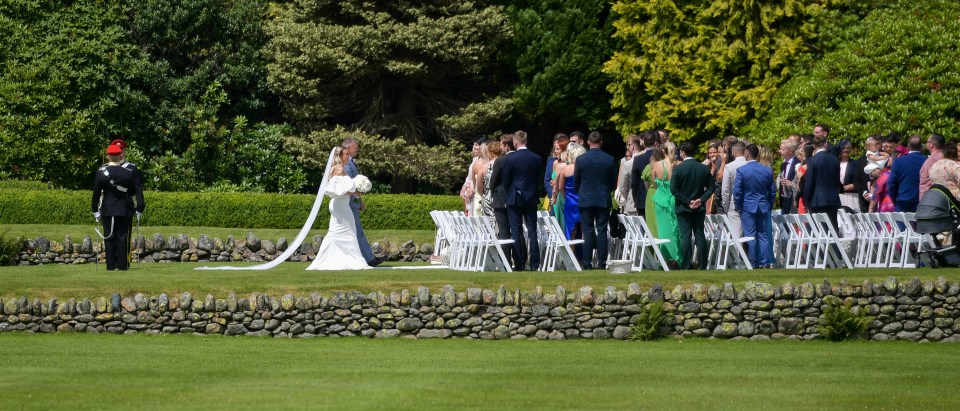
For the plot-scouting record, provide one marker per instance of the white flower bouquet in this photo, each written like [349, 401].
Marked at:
[362, 183]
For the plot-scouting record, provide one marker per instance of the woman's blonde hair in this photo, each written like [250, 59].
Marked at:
[337, 160]
[574, 150]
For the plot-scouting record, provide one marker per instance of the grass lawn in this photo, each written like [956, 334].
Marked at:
[79, 371]
[79, 281]
[77, 232]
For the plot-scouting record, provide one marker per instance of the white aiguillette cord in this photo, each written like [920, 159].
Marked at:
[300, 237]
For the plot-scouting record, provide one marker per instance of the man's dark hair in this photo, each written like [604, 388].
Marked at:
[665, 133]
[914, 143]
[937, 140]
[507, 141]
[806, 138]
[686, 149]
[578, 134]
[650, 138]
[823, 127]
[808, 150]
[636, 141]
[595, 138]
[754, 151]
[737, 148]
[893, 138]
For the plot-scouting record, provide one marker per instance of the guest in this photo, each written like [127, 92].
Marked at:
[477, 169]
[650, 211]
[729, 173]
[714, 162]
[935, 144]
[634, 146]
[821, 182]
[664, 204]
[578, 137]
[802, 157]
[494, 150]
[640, 162]
[946, 172]
[754, 193]
[726, 148]
[571, 199]
[882, 202]
[691, 186]
[823, 131]
[877, 159]
[788, 191]
[557, 198]
[499, 194]
[521, 172]
[469, 188]
[560, 142]
[849, 172]
[594, 178]
[905, 177]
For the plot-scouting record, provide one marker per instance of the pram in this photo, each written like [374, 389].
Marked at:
[939, 212]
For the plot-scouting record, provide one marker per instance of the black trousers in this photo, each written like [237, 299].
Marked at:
[691, 223]
[520, 216]
[117, 230]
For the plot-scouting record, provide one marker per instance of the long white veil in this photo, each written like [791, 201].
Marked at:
[300, 237]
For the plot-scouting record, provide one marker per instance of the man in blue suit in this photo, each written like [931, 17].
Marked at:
[753, 193]
[521, 175]
[351, 147]
[821, 183]
[904, 183]
[594, 179]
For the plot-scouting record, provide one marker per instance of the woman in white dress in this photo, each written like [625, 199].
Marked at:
[339, 249]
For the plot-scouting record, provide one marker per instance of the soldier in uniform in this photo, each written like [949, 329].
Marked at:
[114, 190]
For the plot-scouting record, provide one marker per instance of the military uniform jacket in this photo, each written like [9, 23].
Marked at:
[114, 189]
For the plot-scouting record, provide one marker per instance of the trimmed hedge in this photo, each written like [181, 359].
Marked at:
[230, 210]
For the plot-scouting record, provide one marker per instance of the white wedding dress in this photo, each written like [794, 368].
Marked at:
[339, 249]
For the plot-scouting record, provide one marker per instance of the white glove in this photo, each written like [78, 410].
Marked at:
[138, 215]
[96, 216]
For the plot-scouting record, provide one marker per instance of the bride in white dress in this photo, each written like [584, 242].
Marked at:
[339, 249]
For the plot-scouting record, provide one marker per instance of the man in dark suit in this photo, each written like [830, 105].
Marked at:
[904, 182]
[521, 175]
[823, 131]
[114, 190]
[691, 186]
[640, 162]
[788, 150]
[821, 182]
[594, 179]
[753, 193]
[499, 194]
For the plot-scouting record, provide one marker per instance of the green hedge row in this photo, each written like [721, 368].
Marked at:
[231, 210]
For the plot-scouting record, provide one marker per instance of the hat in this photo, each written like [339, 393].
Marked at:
[114, 150]
[118, 142]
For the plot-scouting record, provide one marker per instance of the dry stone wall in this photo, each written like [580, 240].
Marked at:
[181, 248]
[911, 310]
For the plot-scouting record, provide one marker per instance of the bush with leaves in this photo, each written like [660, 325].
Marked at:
[896, 70]
[648, 322]
[9, 246]
[841, 322]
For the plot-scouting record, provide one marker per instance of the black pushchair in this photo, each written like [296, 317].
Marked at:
[939, 212]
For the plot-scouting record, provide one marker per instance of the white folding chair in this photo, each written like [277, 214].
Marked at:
[883, 241]
[651, 242]
[731, 245]
[556, 247]
[800, 250]
[440, 240]
[489, 250]
[831, 242]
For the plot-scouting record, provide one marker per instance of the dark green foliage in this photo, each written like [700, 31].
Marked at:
[24, 185]
[897, 70]
[648, 322]
[839, 322]
[9, 246]
[558, 50]
[239, 210]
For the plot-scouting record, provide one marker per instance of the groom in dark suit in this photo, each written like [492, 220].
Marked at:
[821, 182]
[691, 185]
[594, 179]
[521, 176]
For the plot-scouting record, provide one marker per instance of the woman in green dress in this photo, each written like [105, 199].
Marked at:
[661, 169]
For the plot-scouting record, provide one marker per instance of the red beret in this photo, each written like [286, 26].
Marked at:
[114, 150]
[118, 142]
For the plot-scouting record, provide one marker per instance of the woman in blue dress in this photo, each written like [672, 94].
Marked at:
[571, 213]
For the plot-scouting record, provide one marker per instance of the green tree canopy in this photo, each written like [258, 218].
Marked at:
[703, 68]
[387, 68]
[897, 70]
[558, 49]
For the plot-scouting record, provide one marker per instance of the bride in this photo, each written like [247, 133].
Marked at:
[339, 249]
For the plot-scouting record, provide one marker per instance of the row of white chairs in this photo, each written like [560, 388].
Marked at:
[469, 243]
[887, 239]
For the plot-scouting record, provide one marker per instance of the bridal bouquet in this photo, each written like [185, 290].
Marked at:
[363, 183]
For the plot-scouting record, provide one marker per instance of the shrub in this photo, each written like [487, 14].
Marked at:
[647, 325]
[23, 185]
[231, 210]
[9, 246]
[839, 322]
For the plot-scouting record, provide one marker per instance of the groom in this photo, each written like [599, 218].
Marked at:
[352, 147]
